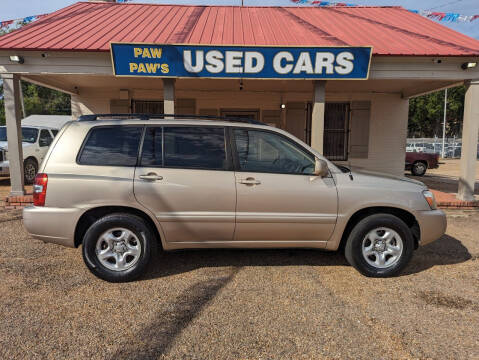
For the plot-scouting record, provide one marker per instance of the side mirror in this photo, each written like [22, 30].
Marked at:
[321, 168]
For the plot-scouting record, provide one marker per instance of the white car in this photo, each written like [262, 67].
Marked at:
[35, 143]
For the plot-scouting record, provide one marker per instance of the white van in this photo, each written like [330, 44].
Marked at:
[35, 143]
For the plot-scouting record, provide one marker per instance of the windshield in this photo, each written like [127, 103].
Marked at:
[29, 135]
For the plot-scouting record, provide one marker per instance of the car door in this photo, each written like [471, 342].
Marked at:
[185, 177]
[278, 197]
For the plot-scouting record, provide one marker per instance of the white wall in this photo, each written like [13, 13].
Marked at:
[387, 135]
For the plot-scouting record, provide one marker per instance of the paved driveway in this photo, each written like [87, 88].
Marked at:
[274, 304]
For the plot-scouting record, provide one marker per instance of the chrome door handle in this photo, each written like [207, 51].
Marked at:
[250, 181]
[151, 177]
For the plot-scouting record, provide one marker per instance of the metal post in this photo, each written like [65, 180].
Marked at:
[444, 124]
[169, 96]
[11, 92]
[470, 129]
[317, 117]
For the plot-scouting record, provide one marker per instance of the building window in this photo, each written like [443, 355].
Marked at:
[148, 107]
[336, 125]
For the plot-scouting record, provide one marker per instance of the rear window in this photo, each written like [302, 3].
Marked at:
[111, 146]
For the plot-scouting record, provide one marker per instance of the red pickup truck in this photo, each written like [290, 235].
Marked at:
[419, 162]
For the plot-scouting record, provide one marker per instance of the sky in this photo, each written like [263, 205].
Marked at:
[13, 9]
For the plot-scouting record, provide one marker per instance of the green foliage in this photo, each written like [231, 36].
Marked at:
[426, 113]
[39, 100]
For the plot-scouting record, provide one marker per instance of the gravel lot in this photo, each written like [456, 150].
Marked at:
[275, 304]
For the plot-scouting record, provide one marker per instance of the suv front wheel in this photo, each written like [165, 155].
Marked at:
[118, 247]
[380, 245]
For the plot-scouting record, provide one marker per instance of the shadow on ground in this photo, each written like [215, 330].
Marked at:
[158, 337]
[445, 251]
[445, 183]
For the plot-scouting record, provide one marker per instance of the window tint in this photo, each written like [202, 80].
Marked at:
[45, 138]
[261, 151]
[111, 146]
[194, 147]
[152, 154]
[29, 135]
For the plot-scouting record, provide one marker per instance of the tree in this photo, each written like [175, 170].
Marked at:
[39, 100]
[426, 113]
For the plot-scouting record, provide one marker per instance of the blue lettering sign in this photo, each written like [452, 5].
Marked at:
[255, 62]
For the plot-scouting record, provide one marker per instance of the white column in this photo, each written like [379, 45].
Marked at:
[317, 121]
[11, 93]
[470, 129]
[169, 96]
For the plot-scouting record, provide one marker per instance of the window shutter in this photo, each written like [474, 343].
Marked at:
[120, 106]
[359, 137]
[185, 106]
[272, 117]
[208, 112]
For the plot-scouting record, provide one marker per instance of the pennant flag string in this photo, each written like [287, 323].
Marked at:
[21, 21]
[440, 16]
[14, 23]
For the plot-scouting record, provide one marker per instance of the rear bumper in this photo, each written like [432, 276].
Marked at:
[432, 223]
[54, 225]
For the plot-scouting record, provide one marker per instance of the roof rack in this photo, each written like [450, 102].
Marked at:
[95, 117]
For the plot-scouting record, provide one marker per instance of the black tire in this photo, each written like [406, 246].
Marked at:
[353, 249]
[30, 169]
[135, 224]
[418, 168]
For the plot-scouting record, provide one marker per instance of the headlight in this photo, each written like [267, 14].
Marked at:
[431, 200]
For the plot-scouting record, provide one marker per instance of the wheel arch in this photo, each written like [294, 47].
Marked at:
[92, 215]
[31, 157]
[402, 214]
[421, 161]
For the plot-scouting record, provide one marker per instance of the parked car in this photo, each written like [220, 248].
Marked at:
[418, 163]
[122, 188]
[35, 143]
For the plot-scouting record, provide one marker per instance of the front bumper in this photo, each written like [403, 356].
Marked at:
[432, 224]
[54, 225]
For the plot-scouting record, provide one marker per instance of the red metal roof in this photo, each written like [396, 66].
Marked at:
[90, 26]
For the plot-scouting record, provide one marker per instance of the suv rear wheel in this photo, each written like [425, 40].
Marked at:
[118, 247]
[380, 245]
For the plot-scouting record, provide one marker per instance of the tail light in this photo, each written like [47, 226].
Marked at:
[40, 189]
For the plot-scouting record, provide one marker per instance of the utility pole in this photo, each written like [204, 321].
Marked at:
[444, 124]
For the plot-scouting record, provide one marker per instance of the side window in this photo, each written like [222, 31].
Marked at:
[263, 151]
[45, 138]
[194, 147]
[152, 153]
[54, 132]
[111, 146]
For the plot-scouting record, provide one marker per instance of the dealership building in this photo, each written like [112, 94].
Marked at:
[338, 78]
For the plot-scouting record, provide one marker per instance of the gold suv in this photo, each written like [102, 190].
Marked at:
[122, 188]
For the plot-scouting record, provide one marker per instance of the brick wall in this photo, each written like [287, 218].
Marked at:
[17, 202]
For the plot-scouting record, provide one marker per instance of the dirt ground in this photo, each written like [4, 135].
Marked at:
[244, 304]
